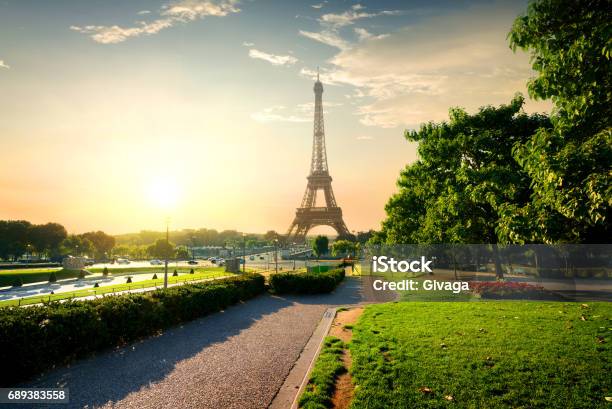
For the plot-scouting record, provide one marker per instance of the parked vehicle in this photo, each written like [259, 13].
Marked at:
[192, 262]
[252, 258]
[123, 261]
[156, 262]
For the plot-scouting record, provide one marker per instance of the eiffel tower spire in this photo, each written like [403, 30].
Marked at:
[308, 215]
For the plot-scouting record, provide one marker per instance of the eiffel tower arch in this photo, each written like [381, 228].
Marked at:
[308, 215]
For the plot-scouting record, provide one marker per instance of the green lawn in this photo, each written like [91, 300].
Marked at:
[37, 275]
[33, 275]
[483, 355]
[204, 273]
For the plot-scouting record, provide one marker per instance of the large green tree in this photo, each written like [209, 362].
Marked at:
[464, 177]
[570, 164]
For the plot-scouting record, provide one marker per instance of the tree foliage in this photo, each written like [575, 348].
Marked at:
[501, 176]
[570, 165]
[162, 249]
[456, 191]
[343, 248]
[320, 245]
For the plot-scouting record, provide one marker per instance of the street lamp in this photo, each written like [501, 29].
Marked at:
[276, 255]
[167, 251]
[244, 252]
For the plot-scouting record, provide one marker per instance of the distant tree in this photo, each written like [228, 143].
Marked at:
[182, 253]
[47, 238]
[162, 249]
[320, 245]
[570, 165]
[14, 238]
[343, 248]
[76, 245]
[102, 242]
[364, 236]
[270, 235]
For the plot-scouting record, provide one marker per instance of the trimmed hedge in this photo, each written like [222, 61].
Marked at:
[306, 283]
[37, 338]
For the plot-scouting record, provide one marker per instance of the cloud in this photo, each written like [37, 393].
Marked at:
[331, 24]
[415, 74]
[300, 113]
[328, 37]
[247, 44]
[143, 12]
[278, 113]
[319, 5]
[364, 34]
[181, 11]
[4, 65]
[364, 138]
[271, 58]
[346, 18]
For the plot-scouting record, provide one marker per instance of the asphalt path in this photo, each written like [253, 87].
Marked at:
[237, 358]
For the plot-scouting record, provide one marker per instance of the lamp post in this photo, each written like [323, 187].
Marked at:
[244, 252]
[276, 255]
[167, 251]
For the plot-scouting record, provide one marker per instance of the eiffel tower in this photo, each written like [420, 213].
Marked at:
[308, 215]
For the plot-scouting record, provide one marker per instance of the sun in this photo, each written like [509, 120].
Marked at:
[163, 193]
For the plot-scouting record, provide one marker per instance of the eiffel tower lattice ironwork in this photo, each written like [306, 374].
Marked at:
[308, 215]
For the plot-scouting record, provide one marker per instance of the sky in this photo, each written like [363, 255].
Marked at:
[116, 115]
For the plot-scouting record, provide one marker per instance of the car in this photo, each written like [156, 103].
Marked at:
[252, 258]
[156, 262]
[123, 261]
[192, 262]
[262, 258]
[213, 260]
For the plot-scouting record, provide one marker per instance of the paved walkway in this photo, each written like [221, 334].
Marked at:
[237, 358]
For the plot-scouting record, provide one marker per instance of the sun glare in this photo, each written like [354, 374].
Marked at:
[163, 193]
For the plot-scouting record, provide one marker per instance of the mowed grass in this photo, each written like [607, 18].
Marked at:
[483, 355]
[34, 275]
[41, 275]
[203, 274]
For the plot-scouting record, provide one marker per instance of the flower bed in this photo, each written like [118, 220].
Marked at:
[499, 290]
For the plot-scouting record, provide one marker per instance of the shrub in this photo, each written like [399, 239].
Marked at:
[306, 283]
[175, 274]
[129, 280]
[96, 285]
[191, 271]
[105, 271]
[18, 282]
[52, 277]
[81, 274]
[155, 276]
[37, 338]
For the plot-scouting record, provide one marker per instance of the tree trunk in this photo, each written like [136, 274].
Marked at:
[499, 273]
